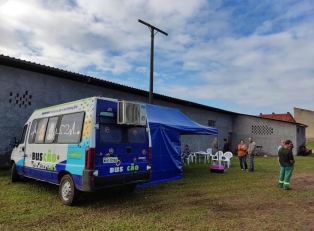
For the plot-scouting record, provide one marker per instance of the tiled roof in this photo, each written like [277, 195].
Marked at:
[283, 117]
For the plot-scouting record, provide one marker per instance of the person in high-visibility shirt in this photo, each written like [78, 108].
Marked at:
[286, 161]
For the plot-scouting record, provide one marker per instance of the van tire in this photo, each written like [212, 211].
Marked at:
[130, 188]
[15, 177]
[68, 194]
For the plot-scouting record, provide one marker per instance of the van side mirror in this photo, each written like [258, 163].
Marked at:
[13, 143]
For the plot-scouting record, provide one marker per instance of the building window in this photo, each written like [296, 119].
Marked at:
[262, 130]
[211, 123]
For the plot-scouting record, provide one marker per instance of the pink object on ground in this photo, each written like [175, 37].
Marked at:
[218, 168]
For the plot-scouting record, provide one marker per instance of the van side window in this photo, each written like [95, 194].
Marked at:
[22, 138]
[32, 132]
[41, 130]
[137, 135]
[70, 128]
[51, 130]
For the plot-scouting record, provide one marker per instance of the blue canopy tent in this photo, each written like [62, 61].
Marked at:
[166, 125]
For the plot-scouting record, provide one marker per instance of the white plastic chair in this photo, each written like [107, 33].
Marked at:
[217, 156]
[193, 157]
[210, 154]
[187, 159]
[226, 158]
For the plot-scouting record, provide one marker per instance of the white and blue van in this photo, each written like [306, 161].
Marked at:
[85, 145]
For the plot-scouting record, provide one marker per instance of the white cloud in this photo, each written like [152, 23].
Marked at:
[251, 57]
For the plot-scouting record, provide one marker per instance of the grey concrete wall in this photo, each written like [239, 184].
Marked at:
[201, 142]
[23, 91]
[305, 117]
[36, 90]
[265, 132]
[33, 91]
[201, 116]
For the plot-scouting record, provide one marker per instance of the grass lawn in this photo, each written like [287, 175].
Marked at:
[310, 145]
[235, 200]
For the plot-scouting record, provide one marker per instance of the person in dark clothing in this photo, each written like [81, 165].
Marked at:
[286, 161]
[186, 154]
[291, 146]
[303, 151]
[226, 146]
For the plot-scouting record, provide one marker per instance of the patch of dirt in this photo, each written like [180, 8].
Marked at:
[311, 220]
[302, 182]
[211, 205]
[305, 182]
[310, 226]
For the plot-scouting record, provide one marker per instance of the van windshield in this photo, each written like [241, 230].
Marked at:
[111, 132]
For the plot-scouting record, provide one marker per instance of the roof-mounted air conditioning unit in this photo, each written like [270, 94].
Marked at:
[131, 113]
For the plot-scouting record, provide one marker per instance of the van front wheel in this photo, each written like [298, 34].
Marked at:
[68, 194]
[15, 177]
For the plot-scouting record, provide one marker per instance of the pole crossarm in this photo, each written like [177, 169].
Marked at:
[153, 27]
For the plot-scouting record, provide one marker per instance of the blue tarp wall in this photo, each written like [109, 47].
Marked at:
[166, 125]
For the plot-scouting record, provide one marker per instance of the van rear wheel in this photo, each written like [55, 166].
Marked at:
[15, 177]
[68, 194]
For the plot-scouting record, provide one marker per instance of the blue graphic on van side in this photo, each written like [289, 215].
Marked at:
[20, 162]
[76, 157]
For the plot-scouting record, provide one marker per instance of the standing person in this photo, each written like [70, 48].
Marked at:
[226, 146]
[291, 146]
[215, 146]
[282, 144]
[250, 151]
[286, 166]
[242, 148]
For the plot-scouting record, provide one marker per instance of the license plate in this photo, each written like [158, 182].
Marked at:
[109, 160]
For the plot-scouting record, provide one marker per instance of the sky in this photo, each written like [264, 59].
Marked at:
[244, 56]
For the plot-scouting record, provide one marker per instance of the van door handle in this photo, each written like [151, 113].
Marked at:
[23, 149]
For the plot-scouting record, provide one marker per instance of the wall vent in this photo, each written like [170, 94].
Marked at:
[262, 130]
[21, 100]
